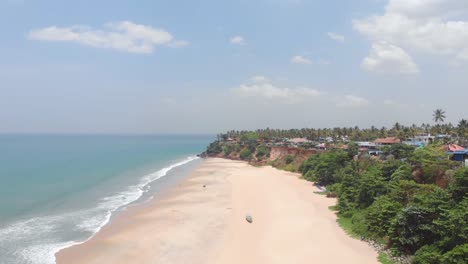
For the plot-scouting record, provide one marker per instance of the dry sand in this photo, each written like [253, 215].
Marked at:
[196, 224]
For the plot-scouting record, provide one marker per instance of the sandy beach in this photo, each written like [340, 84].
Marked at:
[202, 220]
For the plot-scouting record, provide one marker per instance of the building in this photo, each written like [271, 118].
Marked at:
[298, 142]
[387, 141]
[458, 153]
[426, 138]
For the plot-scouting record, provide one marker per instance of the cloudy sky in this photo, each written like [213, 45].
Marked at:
[173, 66]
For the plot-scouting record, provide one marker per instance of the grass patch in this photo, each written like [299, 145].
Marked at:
[322, 193]
[384, 258]
[333, 208]
[347, 224]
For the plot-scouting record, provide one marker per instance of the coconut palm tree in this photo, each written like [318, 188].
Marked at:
[462, 130]
[439, 115]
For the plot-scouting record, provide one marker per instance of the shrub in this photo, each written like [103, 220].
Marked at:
[263, 151]
[245, 154]
[228, 149]
[458, 255]
[459, 188]
[289, 159]
[380, 214]
[428, 255]
[214, 148]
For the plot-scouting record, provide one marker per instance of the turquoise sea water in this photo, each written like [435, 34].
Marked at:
[56, 191]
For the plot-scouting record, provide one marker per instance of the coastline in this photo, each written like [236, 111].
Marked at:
[202, 220]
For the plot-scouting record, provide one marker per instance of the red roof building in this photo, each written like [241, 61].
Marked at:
[453, 148]
[387, 141]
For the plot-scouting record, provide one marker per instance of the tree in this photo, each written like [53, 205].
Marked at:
[399, 151]
[246, 154]
[432, 162]
[462, 130]
[380, 215]
[439, 115]
[414, 226]
[459, 186]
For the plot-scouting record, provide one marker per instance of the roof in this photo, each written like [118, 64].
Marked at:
[298, 140]
[387, 140]
[454, 148]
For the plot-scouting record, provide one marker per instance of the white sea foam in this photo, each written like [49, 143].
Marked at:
[37, 234]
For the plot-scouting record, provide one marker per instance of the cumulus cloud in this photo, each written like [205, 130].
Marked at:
[351, 101]
[336, 37]
[300, 60]
[261, 87]
[388, 58]
[125, 36]
[237, 40]
[430, 26]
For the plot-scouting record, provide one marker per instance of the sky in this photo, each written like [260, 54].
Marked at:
[207, 66]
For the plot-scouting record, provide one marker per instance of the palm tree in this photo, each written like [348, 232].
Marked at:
[462, 130]
[439, 115]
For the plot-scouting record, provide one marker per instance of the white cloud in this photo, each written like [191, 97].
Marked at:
[300, 60]
[259, 79]
[427, 8]
[261, 87]
[392, 103]
[336, 37]
[351, 101]
[237, 40]
[388, 58]
[125, 36]
[430, 26]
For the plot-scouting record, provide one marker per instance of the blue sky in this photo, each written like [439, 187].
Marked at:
[207, 66]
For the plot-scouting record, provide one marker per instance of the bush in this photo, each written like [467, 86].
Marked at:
[380, 214]
[359, 223]
[228, 149]
[459, 188]
[263, 151]
[245, 154]
[214, 148]
[290, 167]
[415, 225]
[428, 255]
[458, 255]
[289, 159]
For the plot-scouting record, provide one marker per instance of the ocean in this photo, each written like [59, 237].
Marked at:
[59, 190]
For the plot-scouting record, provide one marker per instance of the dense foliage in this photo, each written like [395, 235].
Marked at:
[458, 131]
[400, 201]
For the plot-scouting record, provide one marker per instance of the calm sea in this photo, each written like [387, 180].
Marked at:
[57, 191]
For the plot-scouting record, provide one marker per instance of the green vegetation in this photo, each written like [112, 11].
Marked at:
[246, 154]
[397, 202]
[412, 201]
[263, 151]
[289, 159]
[385, 259]
[214, 148]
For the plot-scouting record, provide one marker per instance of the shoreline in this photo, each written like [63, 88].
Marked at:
[161, 175]
[202, 220]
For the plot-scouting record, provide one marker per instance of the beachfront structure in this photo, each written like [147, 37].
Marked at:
[458, 153]
[298, 142]
[387, 141]
[426, 138]
[366, 145]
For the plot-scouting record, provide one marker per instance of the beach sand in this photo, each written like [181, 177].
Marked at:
[195, 224]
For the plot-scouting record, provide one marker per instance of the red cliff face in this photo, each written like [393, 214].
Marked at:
[281, 153]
